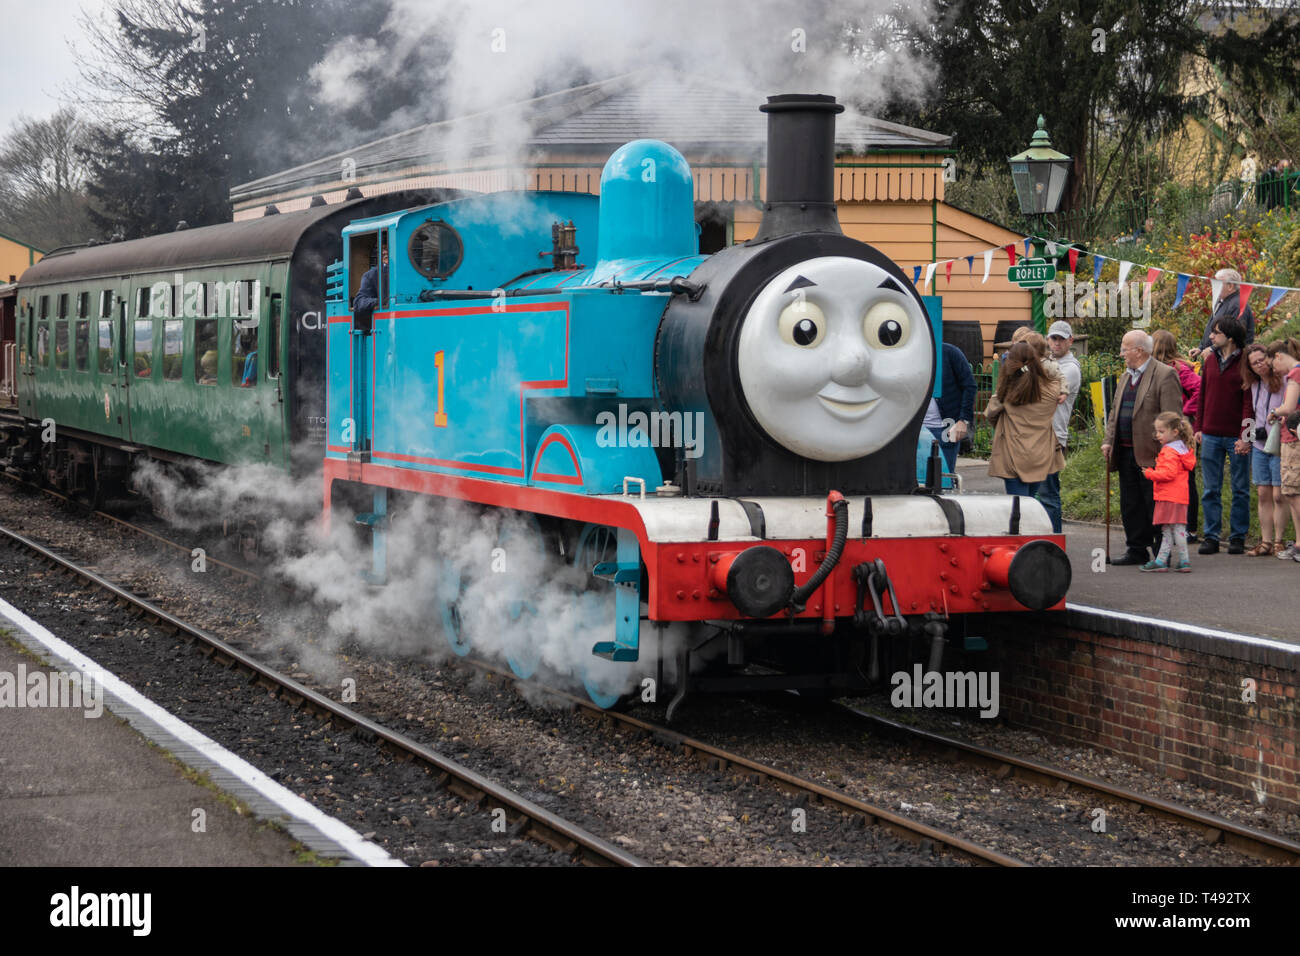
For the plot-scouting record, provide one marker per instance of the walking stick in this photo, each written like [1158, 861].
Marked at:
[1108, 509]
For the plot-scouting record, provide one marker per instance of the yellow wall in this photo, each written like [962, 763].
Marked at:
[15, 258]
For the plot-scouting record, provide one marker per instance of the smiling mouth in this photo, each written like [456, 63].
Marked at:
[848, 409]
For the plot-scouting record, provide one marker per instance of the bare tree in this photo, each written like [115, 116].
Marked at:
[42, 181]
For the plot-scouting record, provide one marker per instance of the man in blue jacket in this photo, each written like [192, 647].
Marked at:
[956, 403]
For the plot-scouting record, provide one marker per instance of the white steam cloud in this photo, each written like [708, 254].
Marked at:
[508, 51]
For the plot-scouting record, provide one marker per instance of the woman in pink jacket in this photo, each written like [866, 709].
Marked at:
[1165, 349]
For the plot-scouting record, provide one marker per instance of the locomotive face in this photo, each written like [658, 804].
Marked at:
[835, 358]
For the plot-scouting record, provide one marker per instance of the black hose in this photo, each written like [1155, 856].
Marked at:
[799, 598]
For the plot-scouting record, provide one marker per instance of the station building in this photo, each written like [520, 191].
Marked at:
[890, 178]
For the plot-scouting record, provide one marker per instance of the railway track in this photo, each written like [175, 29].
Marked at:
[1214, 829]
[532, 820]
[722, 761]
[243, 575]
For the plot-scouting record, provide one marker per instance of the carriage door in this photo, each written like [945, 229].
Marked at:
[26, 358]
[108, 330]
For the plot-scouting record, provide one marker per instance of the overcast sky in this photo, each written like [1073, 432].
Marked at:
[38, 71]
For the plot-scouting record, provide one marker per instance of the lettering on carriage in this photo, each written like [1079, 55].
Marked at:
[653, 430]
[311, 322]
[953, 689]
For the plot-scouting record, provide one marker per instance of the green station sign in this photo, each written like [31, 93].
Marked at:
[1032, 273]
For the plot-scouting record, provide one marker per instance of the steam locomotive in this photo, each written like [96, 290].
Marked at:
[725, 443]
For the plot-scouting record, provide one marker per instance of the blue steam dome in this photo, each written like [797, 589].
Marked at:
[647, 205]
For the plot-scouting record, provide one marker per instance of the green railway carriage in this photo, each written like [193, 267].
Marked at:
[204, 343]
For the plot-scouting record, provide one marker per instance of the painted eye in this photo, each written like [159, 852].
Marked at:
[887, 325]
[802, 323]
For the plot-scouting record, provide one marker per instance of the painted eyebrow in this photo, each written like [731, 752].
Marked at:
[799, 283]
[889, 284]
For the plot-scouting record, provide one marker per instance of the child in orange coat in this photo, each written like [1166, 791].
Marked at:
[1169, 476]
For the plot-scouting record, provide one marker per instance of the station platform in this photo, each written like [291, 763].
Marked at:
[1237, 594]
[80, 785]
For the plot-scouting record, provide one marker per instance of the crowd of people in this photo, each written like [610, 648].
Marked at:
[1229, 402]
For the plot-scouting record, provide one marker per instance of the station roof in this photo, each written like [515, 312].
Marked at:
[691, 114]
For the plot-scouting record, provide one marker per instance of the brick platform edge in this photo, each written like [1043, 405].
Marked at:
[1171, 698]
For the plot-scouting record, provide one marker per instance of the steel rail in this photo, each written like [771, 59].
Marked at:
[719, 759]
[543, 825]
[1248, 840]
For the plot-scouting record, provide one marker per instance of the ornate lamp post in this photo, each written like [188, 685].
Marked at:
[1039, 174]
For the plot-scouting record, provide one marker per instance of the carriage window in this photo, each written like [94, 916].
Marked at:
[61, 343]
[142, 303]
[83, 345]
[173, 349]
[43, 344]
[106, 303]
[435, 250]
[45, 307]
[143, 348]
[205, 351]
[243, 361]
[83, 305]
[106, 345]
[63, 305]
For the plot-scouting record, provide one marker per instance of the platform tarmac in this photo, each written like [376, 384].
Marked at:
[95, 774]
[1235, 593]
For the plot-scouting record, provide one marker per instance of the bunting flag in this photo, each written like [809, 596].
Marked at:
[1152, 274]
[1074, 258]
[1097, 263]
[916, 275]
[1124, 267]
[1275, 298]
[1246, 290]
[1027, 252]
[1216, 286]
[988, 262]
[1051, 250]
[1182, 287]
[947, 271]
[929, 273]
[970, 265]
[1011, 252]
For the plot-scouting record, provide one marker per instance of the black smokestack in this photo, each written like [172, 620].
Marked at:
[800, 165]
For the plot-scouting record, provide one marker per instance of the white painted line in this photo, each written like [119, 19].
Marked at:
[1189, 628]
[293, 806]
